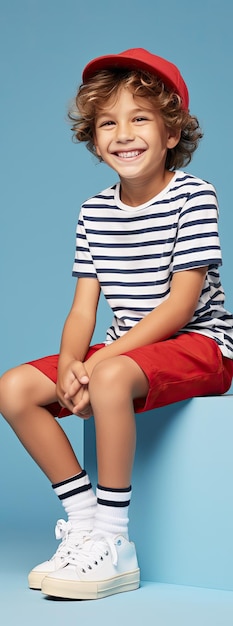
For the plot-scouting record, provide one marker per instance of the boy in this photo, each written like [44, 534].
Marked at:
[151, 244]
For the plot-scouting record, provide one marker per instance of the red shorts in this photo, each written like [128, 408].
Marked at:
[177, 369]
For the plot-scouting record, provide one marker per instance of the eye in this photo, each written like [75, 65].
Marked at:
[106, 123]
[141, 118]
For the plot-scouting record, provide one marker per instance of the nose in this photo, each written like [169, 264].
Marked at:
[124, 132]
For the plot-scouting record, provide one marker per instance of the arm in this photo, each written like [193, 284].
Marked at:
[76, 337]
[164, 321]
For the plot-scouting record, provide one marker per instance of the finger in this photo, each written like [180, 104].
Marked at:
[80, 404]
[67, 404]
[85, 416]
[72, 389]
[80, 373]
[86, 413]
[84, 380]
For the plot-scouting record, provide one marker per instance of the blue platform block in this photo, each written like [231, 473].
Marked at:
[182, 506]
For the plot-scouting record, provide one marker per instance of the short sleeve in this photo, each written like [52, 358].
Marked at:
[197, 242]
[83, 263]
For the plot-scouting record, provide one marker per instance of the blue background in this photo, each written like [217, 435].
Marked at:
[45, 177]
[44, 45]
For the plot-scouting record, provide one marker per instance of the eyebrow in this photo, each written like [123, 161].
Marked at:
[108, 113]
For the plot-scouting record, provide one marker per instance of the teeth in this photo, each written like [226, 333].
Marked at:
[129, 155]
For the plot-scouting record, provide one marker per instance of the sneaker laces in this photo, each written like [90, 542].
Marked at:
[93, 550]
[71, 538]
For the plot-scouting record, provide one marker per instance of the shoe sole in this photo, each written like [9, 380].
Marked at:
[35, 579]
[92, 590]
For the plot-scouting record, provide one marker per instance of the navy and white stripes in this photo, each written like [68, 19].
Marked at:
[134, 251]
[112, 510]
[113, 497]
[78, 499]
[73, 486]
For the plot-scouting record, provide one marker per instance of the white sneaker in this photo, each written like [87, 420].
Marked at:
[72, 538]
[102, 567]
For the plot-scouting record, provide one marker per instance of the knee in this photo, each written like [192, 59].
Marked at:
[108, 377]
[12, 391]
[106, 372]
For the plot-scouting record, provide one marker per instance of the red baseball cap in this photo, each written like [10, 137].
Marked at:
[140, 59]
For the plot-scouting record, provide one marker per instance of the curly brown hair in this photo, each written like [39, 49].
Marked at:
[92, 96]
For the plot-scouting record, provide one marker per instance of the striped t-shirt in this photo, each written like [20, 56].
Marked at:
[134, 251]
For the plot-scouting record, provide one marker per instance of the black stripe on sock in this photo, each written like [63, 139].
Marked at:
[70, 480]
[125, 490]
[74, 492]
[113, 503]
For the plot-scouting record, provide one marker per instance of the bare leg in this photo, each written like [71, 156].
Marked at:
[113, 386]
[23, 392]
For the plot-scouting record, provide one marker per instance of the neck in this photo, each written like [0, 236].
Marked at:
[137, 192]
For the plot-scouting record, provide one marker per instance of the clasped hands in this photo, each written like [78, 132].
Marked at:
[72, 389]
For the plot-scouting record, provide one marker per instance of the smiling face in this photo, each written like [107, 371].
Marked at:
[131, 137]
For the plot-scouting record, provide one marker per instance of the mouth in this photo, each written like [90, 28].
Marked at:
[129, 154]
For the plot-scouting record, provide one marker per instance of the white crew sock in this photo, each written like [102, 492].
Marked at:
[78, 499]
[112, 510]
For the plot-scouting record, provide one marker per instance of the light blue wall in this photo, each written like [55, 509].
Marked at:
[44, 177]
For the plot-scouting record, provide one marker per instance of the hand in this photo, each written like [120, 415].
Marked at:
[81, 403]
[82, 407]
[70, 382]
[80, 400]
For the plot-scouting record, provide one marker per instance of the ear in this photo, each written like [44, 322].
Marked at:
[173, 137]
[96, 145]
[97, 149]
